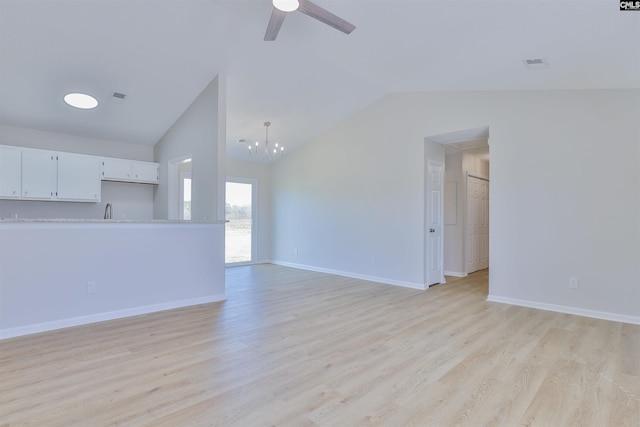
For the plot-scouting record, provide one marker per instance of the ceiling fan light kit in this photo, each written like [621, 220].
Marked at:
[286, 5]
[282, 7]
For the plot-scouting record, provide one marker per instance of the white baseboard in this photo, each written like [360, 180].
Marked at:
[376, 279]
[455, 274]
[634, 320]
[109, 315]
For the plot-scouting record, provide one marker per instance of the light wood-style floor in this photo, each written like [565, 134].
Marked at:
[298, 348]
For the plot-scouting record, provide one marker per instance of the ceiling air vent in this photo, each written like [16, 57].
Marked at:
[535, 63]
[118, 97]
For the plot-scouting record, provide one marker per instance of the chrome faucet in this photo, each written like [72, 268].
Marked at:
[108, 214]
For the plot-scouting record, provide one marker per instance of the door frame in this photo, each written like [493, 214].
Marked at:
[428, 279]
[254, 218]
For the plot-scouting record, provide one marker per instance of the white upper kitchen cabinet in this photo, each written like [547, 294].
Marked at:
[145, 172]
[129, 171]
[78, 177]
[10, 172]
[39, 174]
[116, 169]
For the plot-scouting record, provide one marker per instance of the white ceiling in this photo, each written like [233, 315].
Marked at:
[162, 53]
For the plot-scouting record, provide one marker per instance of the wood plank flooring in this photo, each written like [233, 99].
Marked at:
[298, 348]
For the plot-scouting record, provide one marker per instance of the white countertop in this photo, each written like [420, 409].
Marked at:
[100, 221]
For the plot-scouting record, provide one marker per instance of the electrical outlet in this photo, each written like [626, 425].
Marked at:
[573, 283]
[92, 287]
[295, 251]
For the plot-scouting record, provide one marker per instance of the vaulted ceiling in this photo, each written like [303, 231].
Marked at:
[162, 53]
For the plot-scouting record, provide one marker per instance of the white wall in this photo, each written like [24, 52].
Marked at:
[353, 201]
[475, 164]
[194, 135]
[565, 194]
[129, 201]
[262, 173]
[33, 138]
[135, 201]
[134, 268]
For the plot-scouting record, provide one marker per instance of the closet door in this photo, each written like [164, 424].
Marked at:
[477, 224]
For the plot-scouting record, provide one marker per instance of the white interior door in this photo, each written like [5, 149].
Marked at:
[477, 224]
[434, 209]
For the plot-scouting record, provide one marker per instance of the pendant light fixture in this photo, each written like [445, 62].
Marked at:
[266, 153]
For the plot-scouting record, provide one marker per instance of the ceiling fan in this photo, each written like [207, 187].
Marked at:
[282, 7]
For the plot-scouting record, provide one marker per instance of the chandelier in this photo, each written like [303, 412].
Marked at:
[265, 152]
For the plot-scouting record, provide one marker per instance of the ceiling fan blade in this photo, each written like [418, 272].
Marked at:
[277, 18]
[323, 15]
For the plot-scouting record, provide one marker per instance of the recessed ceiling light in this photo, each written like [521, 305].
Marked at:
[81, 100]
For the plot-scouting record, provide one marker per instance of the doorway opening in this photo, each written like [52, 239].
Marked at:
[466, 200]
[179, 186]
[184, 189]
[240, 214]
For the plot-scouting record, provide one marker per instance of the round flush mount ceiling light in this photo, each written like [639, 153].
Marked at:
[286, 5]
[81, 100]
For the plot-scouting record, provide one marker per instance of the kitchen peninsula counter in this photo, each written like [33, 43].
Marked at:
[56, 273]
[101, 221]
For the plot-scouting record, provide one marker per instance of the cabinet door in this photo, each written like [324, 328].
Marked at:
[116, 169]
[39, 169]
[78, 177]
[10, 172]
[145, 172]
